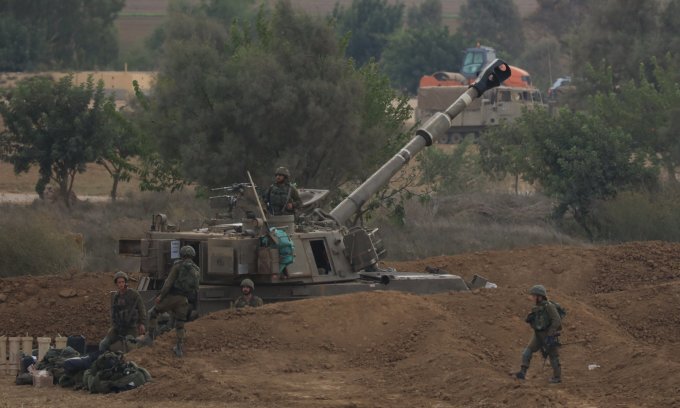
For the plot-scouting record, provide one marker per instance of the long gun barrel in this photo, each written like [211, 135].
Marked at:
[492, 76]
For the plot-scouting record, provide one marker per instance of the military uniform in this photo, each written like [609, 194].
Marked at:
[546, 322]
[279, 195]
[242, 302]
[127, 314]
[247, 299]
[174, 300]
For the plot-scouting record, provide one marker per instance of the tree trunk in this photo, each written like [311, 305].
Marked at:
[670, 168]
[64, 191]
[114, 188]
[517, 184]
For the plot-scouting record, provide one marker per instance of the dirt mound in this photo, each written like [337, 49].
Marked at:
[51, 305]
[386, 349]
[631, 265]
[574, 270]
[389, 349]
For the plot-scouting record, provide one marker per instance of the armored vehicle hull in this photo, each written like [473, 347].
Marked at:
[312, 254]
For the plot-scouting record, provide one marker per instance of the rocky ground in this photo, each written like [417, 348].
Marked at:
[399, 350]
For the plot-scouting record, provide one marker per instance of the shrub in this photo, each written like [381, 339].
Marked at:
[35, 245]
[640, 216]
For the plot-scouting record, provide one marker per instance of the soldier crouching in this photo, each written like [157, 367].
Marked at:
[128, 314]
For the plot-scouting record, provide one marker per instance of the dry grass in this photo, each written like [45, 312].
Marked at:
[42, 228]
[34, 244]
[95, 181]
[640, 216]
[471, 222]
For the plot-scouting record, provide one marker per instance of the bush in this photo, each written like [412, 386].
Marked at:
[640, 216]
[46, 244]
[35, 245]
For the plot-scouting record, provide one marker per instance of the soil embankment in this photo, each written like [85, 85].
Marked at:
[399, 350]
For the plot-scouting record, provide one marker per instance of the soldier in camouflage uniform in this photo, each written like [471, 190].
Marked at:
[179, 288]
[128, 313]
[282, 198]
[248, 299]
[546, 322]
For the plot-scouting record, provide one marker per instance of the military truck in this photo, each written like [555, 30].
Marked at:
[501, 104]
[330, 256]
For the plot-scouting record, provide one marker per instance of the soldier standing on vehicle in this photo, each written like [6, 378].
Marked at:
[282, 198]
[547, 323]
[248, 299]
[128, 313]
[179, 289]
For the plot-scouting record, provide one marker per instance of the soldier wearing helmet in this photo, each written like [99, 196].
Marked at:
[247, 299]
[128, 313]
[180, 289]
[547, 323]
[282, 198]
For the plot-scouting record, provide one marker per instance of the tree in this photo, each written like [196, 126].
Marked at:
[493, 23]
[421, 51]
[450, 173]
[42, 34]
[427, 13]
[560, 17]
[622, 33]
[122, 144]
[369, 24]
[669, 35]
[648, 110]
[57, 126]
[575, 158]
[502, 151]
[148, 55]
[277, 92]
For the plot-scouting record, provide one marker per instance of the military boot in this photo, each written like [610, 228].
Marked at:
[152, 333]
[178, 349]
[522, 373]
[146, 340]
[557, 371]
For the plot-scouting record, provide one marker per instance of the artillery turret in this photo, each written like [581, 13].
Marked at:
[321, 256]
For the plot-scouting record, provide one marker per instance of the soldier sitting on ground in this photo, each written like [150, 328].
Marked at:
[547, 323]
[282, 198]
[128, 313]
[248, 299]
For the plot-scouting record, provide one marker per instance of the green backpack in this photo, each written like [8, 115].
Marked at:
[54, 359]
[188, 278]
[111, 373]
[560, 310]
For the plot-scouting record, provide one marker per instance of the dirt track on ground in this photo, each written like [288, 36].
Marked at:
[400, 350]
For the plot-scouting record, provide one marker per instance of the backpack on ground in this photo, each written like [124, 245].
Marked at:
[111, 373]
[54, 360]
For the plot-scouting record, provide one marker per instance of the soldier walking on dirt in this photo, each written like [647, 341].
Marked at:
[179, 289]
[282, 198]
[248, 299]
[128, 313]
[546, 321]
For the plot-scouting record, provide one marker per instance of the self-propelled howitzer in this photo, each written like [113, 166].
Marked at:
[318, 255]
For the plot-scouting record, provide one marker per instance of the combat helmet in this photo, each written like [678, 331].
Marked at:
[187, 251]
[249, 283]
[120, 274]
[538, 290]
[283, 171]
